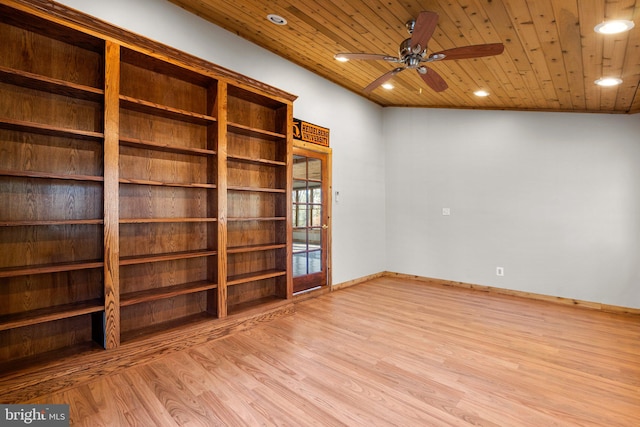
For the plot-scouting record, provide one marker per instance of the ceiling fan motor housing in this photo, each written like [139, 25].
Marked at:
[410, 58]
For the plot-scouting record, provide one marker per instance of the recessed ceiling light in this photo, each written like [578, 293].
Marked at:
[481, 93]
[614, 27]
[340, 58]
[608, 81]
[387, 86]
[276, 19]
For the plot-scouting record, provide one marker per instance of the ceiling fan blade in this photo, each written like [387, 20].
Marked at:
[383, 78]
[366, 57]
[475, 51]
[423, 30]
[434, 80]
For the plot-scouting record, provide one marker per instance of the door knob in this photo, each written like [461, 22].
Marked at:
[325, 226]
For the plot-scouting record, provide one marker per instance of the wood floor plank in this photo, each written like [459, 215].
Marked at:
[228, 385]
[106, 403]
[287, 372]
[153, 407]
[174, 396]
[390, 351]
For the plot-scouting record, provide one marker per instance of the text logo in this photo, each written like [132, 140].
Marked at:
[34, 415]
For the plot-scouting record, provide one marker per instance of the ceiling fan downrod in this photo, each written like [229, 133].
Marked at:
[410, 25]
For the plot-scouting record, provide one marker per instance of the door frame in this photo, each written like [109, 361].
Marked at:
[300, 148]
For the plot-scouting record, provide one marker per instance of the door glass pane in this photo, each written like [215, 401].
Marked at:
[315, 238]
[314, 169]
[300, 215]
[316, 195]
[315, 262]
[316, 216]
[299, 191]
[299, 239]
[300, 264]
[299, 167]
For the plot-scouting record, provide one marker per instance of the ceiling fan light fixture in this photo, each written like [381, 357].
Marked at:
[387, 86]
[614, 27]
[341, 58]
[276, 19]
[608, 81]
[481, 93]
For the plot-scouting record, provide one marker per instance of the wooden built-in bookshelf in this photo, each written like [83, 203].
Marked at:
[142, 189]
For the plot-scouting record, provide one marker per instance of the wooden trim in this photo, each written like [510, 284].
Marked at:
[357, 281]
[329, 233]
[521, 294]
[29, 383]
[312, 147]
[288, 204]
[310, 294]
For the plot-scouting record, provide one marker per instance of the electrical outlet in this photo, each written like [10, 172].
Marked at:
[446, 211]
[499, 271]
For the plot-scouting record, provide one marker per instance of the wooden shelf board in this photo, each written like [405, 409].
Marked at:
[258, 218]
[165, 292]
[141, 60]
[49, 268]
[245, 159]
[162, 220]
[48, 360]
[256, 189]
[48, 84]
[254, 276]
[143, 106]
[166, 327]
[164, 184]
[48, 314]
[21, 223]
[255, 132]
[44, 129]
[139, 143]
[130, 260]
[48, 175]
[254, 97]
[260, 304]
[255, 248]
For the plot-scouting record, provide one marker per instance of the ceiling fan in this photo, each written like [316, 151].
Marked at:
[413, 53]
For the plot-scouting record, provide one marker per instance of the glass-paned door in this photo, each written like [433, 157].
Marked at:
[309, 218]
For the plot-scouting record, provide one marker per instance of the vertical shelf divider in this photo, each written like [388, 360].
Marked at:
[111, 197]
[221, 104]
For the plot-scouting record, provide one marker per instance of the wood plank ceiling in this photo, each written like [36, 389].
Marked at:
[552, 54]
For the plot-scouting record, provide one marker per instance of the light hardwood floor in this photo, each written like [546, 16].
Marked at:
[389, 352]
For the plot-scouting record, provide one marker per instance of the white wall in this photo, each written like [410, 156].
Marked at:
[553, 198]
[355, 123]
